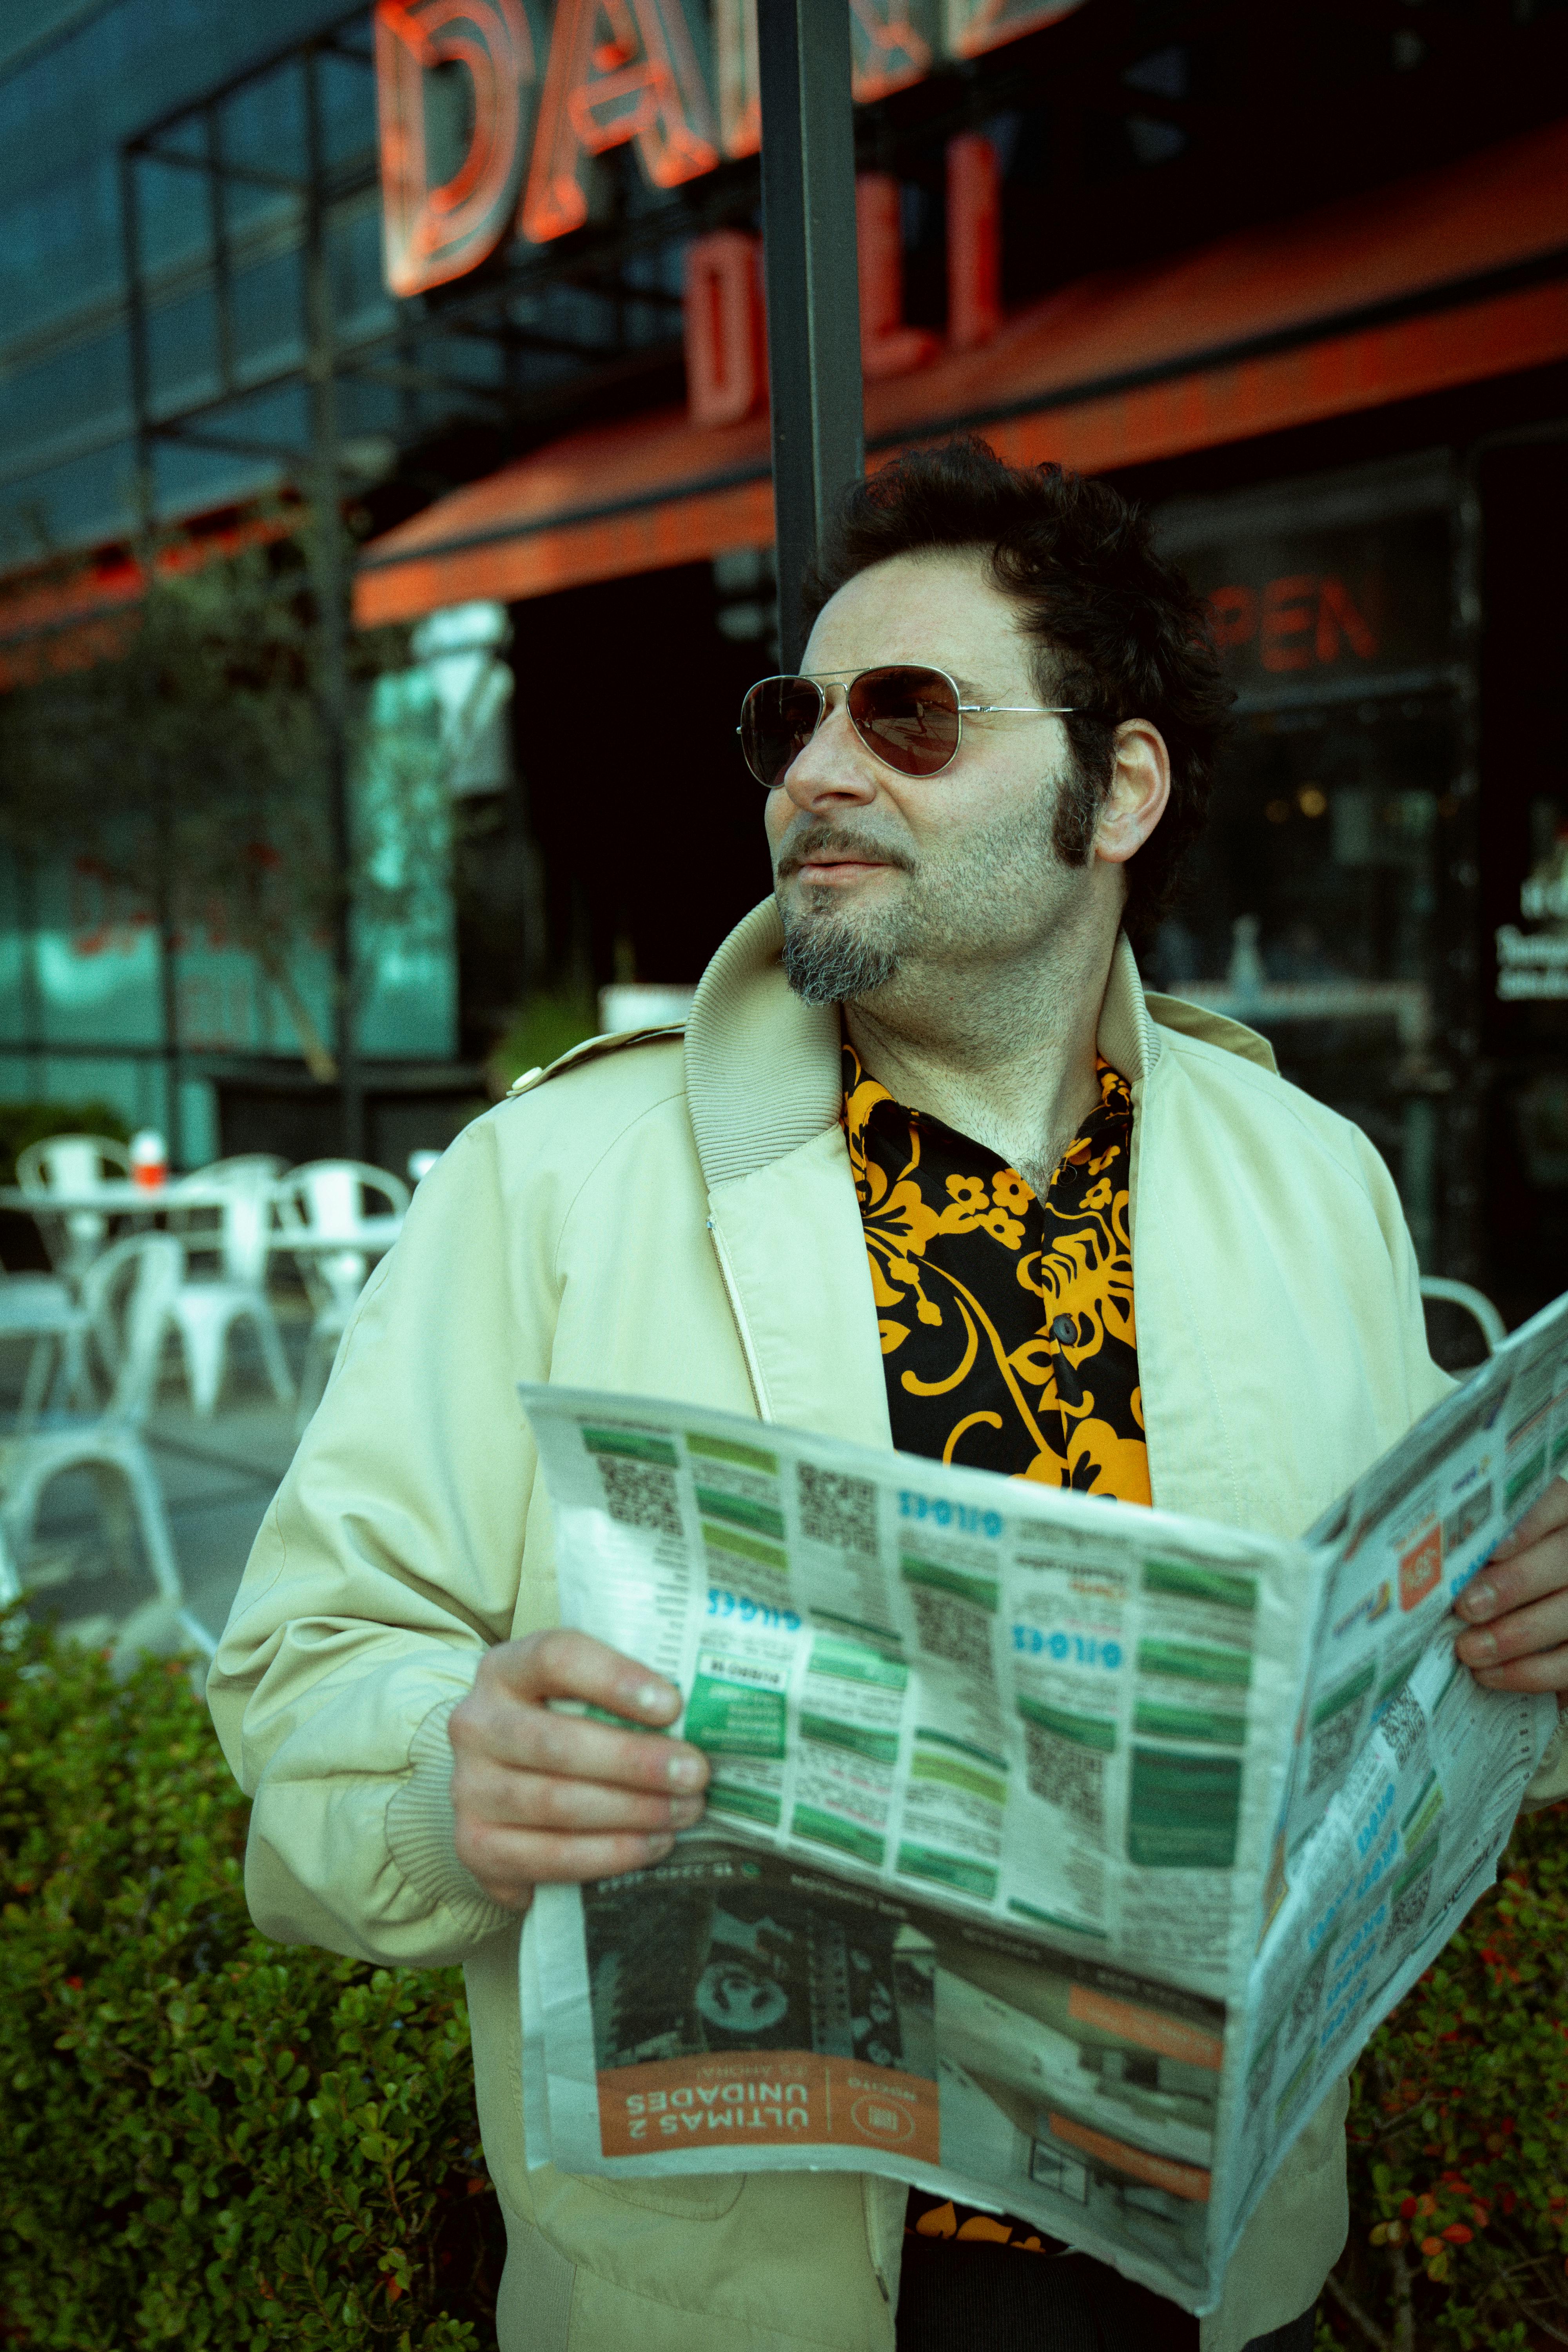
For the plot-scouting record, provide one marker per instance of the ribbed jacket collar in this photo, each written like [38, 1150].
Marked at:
[761, 1068]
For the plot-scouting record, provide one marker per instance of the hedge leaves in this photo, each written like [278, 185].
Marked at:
[205, 2139]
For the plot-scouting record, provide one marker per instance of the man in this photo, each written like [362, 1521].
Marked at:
[928, 1165]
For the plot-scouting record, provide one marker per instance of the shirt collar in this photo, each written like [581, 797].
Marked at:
[865, 1096]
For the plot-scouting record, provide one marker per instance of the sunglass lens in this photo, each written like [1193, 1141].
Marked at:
[907, 717]
[778, 719]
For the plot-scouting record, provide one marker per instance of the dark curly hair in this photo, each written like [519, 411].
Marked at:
[1118, 632]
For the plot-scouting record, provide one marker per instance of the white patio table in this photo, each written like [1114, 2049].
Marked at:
[116, 1197]
[372, 1235]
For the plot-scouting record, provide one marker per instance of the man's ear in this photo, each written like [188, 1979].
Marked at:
[1140, 788]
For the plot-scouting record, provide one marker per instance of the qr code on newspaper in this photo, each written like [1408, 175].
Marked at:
[838, 1510]
[1333, 1743]
[1409, 1910]
[1066, 1775]
[1403, 1725]
[952, 1629]
[641, 1494]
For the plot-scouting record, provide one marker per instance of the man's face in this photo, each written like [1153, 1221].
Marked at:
[877, 872]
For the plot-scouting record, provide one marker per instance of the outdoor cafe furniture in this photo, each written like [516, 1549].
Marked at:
[324, 1222]
[44, 1309]
[71, 1169]
[207, 1307]
[106, 1198]
[130, 1291]
[1475, 1303]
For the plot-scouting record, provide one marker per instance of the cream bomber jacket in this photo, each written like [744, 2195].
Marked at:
[676, 1218]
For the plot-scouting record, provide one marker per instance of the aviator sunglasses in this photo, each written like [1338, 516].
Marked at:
[907, 716]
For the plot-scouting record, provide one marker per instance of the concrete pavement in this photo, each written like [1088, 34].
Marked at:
[86, 1570]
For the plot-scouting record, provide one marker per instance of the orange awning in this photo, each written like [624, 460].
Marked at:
[77, 612]
[1445, 279]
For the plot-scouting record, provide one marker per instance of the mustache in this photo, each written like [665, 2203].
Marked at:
[821, 840]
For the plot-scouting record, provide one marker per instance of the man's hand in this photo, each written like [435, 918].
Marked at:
[1520, 1598]
[540, 1796]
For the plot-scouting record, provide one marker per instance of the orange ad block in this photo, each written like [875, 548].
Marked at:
[1189, 2181]
[1420, 1568]
[1146, 2029]
[727, 2100]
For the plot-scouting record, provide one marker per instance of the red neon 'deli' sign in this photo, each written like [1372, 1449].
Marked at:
[606, 73]
[726, 329]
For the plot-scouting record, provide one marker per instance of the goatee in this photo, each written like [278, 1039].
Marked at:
[826, 965]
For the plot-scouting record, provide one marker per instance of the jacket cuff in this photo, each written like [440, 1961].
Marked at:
[1550, 1785]
[422, 1830]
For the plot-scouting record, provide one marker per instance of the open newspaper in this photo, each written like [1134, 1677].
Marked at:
[1057, 1856]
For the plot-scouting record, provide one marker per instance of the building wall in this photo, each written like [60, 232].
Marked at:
[66, 102]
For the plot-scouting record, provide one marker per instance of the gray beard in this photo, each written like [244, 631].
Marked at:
[826, 965]
[835, 954]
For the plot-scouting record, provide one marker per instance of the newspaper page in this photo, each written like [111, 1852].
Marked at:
[1004, 1792]
[1406, 1773]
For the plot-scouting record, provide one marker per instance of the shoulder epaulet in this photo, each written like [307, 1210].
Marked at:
[593, 1049]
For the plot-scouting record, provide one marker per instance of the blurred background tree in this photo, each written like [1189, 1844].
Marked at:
[192, 765]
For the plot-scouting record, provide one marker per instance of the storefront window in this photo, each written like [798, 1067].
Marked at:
[1317, 905]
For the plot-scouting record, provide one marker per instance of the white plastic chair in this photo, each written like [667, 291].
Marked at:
[207, 1307]
[72, 1164]
[325, 1199]
[42, 1309]
[1476, 1303]
[131, 1286]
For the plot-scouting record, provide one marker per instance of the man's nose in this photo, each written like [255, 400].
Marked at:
[834, 765]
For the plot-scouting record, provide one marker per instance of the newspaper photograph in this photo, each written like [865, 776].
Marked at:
[1057, 1856]
[743, 2010]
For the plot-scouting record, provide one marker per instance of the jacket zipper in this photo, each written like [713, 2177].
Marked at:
[731, 1291]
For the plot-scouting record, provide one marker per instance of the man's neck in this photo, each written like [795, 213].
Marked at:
[1005, 1056]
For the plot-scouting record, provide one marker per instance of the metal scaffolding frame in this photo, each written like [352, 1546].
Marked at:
[319, 464]
[404, 356]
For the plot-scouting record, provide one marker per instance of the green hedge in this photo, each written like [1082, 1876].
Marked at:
[207, 2140]
[1458, 2133]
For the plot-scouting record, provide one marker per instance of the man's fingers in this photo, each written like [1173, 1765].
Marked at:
[1550, 1512]
[543, 1796]
[1538, 1629]
[505, 1799]
[531, 1738]
[1543, 1670]
[563, 1665]
[1540, 1568]
[506, 1717]
[509, 1863]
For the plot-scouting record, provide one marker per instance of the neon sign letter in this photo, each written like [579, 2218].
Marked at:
[726, 375]
[974, 242]
[619, 70]
[974, 25]
[886, 346]
[891, 43]
[739, 86]
[430, 235]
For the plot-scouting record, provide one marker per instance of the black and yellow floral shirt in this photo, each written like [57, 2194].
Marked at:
[1008, 1341]
[1007, 1332]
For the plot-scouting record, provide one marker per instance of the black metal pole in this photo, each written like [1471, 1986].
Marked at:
[145, 495]
[814, 295]
[330, 574]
